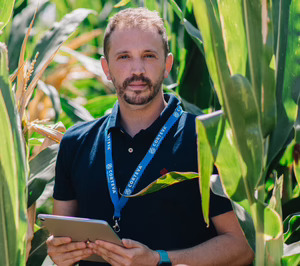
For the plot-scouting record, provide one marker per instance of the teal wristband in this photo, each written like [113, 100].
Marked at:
[163, 257]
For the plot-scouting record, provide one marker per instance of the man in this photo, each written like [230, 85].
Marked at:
[145, 136]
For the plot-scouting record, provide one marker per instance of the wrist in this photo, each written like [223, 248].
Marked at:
[163, 258]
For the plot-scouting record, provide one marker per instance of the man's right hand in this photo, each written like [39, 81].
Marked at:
[64, 252]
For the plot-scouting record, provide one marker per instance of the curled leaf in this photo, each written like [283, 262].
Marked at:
[165, 181]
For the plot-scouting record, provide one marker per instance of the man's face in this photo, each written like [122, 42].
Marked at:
[137, 64]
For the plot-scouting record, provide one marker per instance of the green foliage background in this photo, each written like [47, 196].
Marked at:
[236, 61]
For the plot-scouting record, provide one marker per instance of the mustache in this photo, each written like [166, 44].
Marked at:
[137, 78]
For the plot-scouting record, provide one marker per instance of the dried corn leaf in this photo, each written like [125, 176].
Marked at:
[48, 132]
[84, 39]
[25, 99]
[21, 72]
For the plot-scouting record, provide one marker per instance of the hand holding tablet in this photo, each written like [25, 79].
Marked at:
[80, 230]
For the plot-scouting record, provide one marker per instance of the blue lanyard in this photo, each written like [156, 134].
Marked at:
[119, 203]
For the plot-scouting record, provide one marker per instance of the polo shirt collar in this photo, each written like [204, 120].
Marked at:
[114, 121]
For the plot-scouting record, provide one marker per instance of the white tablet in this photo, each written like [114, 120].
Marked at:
[80, 229]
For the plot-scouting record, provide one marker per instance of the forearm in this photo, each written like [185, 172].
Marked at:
[221, 250]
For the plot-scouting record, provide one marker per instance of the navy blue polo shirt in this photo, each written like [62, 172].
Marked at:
[169, 219]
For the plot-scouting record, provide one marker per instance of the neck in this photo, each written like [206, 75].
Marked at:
[135, 118]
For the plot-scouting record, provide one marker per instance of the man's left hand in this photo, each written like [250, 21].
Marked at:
[133, 253]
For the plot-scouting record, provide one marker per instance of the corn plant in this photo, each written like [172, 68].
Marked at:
[255, 75]
[24, 175]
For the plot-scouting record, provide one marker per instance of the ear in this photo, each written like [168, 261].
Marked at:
[105, 67]
[169, 64]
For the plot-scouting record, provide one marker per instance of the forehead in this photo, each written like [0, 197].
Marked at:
[135, 39]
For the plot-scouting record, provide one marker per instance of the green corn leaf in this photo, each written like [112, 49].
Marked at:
[243, 115]
[98, 106]
[193, 85]
[18, 223]
[272, 224]
[6, 9]
[35, 142]
[274, 247]
[39, 248]
[191, 30]
[215, 56]
[164, 181]
[42, 171]
[296, 151]
[253, 24]
[56, 36]
[206, 130]
[243, 216]
[151, 4]
[291, 254]
[122, 3]
[218, 135]
[287, 75]
[268, 108]
[235, 41]
[75, 111]
[8, 190]
[291, 226]
[19, 27]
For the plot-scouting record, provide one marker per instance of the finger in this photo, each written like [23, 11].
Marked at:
[112, 247]
[57, 241]
[110, 257]
[67, 247]
[129, 243]
[70, 257]
[77, 258]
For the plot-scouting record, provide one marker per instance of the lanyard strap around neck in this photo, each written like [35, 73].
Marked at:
[113, 190]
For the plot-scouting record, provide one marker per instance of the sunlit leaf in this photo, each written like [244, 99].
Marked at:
[17, 214]
[272, 224]
[122, 3]
[8, 191]
[99, 105]
[206, 130]
[274, 247]
[5, 12]
[235, 40]
[164, 181]
[47, 132]
[291, 254]
[84, 39]
[35, 142]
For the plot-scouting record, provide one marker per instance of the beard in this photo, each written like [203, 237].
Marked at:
[139, 97]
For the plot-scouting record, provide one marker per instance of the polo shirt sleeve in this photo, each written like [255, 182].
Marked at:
[63, 188]
[218, 205]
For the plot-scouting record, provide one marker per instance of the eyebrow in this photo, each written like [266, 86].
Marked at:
[127, 52]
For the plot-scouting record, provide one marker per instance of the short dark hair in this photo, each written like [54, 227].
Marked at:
[140, 18]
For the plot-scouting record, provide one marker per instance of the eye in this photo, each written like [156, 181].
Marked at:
[123, 56]
[149, 56]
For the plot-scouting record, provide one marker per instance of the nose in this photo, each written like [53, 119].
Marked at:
[137, 67]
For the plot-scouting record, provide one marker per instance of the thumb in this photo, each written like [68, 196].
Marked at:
[129, 243]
